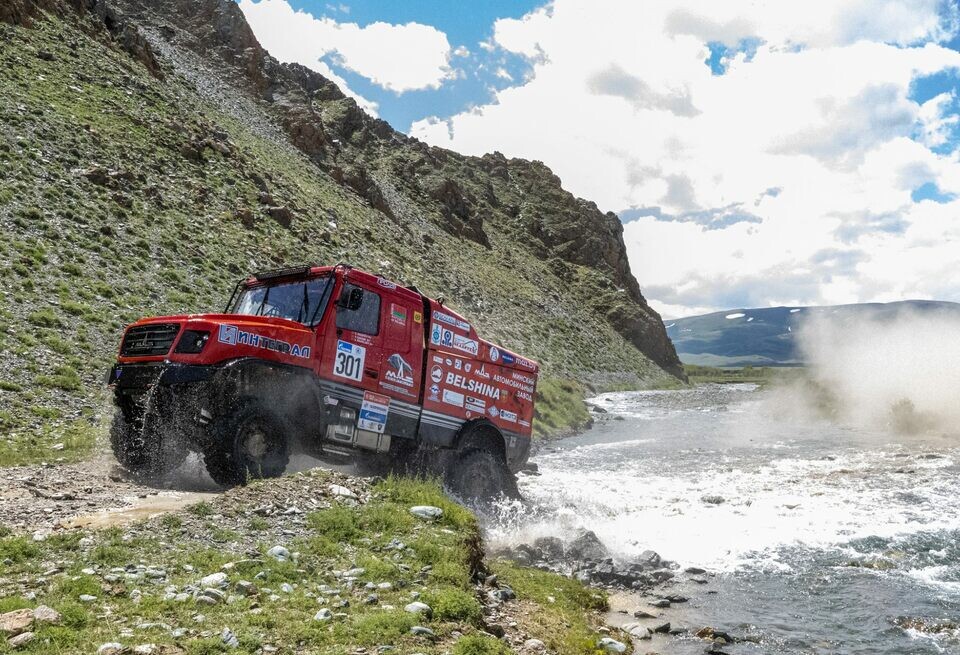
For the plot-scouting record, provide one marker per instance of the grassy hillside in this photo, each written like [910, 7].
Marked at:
[126, 192]
[350, 566]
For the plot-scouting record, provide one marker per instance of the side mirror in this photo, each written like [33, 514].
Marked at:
[352, 300]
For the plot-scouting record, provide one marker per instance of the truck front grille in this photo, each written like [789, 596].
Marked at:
[149, 340]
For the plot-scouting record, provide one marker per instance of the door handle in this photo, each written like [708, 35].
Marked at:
[370, 372]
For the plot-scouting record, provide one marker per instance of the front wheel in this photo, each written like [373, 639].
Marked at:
[249, 444]
[478, 476]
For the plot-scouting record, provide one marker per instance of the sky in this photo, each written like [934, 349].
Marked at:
[757, 153]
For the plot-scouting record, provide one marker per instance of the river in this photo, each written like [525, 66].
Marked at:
[818, 536]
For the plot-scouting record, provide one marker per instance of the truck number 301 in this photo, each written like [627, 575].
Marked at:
[348, 365]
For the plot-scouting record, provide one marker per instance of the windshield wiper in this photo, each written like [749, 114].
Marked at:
[305, 305]
[263, 302]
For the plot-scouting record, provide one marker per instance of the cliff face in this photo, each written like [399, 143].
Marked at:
[153, 152]
[466, 196]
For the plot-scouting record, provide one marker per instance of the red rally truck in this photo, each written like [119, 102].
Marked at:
[326, 360]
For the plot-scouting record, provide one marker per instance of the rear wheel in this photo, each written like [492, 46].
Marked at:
[479, 476]
[251, 443]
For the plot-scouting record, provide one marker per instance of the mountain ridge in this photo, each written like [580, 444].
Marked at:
[767, 336]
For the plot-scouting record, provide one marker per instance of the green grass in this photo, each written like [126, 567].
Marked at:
[758, 375]
[560, 408]
[77, 438]
[449, 542]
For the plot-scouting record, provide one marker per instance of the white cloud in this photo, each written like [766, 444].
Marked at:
[398, 58]
[787, 179]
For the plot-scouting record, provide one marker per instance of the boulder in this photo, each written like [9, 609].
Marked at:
[21, 639]
[417, 607]
[44, 614]
[586, 546]
[15, 622]
[426, 512]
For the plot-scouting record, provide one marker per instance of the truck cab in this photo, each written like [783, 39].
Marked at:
[328, 360]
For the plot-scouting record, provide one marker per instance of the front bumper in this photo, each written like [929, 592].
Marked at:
[146, 375]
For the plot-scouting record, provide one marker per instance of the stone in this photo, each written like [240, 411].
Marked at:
[247, 588]
[218, 579]
[21, 639]
[426, 512]
[87, 598]
[713, 500]
[281, 215]
[534, 646]
[340, 491]
[650, 558]
[279, 553]
[15, 622]
[421, 631]
[286, 588]
[549, 547]
[145, 649]
[44, 614]
[417, 607]
[229, 639]
[586, 546]
[611, 645]
[676, 598]
[694, 570]
[663, 628]
[110, 648]
[323, 615]
[643, 614]
[661, 602]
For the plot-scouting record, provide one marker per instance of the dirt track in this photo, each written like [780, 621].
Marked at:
[96, 493]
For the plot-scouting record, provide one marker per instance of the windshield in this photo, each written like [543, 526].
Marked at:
[298, 301]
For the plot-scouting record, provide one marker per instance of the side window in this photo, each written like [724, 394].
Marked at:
[366, 318]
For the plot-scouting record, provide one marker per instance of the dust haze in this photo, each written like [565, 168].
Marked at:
[900, 373]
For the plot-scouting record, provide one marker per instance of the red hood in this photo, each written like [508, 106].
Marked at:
[231, 336]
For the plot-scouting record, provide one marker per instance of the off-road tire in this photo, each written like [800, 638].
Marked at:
[479, 477]
[248, 444]
[133, 449]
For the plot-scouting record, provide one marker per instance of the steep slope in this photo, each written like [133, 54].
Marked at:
[152, 153]
[768, 336]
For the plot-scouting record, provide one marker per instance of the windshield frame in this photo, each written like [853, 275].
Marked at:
[316, 313]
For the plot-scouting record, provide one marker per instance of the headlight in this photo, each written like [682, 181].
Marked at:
[192, 342]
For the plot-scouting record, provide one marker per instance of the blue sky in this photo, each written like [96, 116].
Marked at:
[785, 153]
[465, 24]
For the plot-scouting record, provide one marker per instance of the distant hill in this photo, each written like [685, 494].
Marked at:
[767, 336]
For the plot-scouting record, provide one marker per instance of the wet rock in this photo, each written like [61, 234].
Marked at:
[417, 607]
[550, 548]
[426, 512]
[661, 602]
[586, 546]
[694, 570]
[611, 645]
[663, 628]
[15, 622]
[643, 614]
[676, 598]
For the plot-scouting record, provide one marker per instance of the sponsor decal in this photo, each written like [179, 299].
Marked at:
[418, 317]
[473, 386]
[436, 374]
[438, 359]
[510, 417]
[525, 424]
[465, 344]
[478, 405]
[441, 336]
[467, 367]
[457, 364]
[452, 398]
[482, 372]
[386, 284]
[508, 358]
[234, 336]
[493, 411]
[526, 363]
[450, 320]
[400, 371]
[349, 359]
[398, 314]
[494, 354]
[373, 412]
[434, 392]
[448, 361]
[516, 381]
